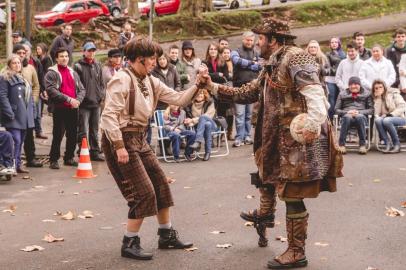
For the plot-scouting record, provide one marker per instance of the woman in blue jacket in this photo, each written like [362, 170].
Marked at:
[17, 106]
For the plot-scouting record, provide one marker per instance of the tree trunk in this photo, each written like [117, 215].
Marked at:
[19, 23]
[192, 7]
[133, 10]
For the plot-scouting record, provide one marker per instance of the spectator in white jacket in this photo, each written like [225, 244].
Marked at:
[348, 67]
[378, 67]
[402, 73]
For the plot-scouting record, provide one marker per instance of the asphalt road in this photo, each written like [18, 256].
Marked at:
[352, 221]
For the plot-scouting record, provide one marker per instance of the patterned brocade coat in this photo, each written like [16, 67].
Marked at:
[287, 87]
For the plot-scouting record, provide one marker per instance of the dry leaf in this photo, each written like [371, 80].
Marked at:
[217, 232]
[32, 248]
[372, 268]
[402, 169]
[106, 228]
[68, 216]
[27, 177]
[249, 224]
[281, 238]
[170, 180]
[39, 187]
[75, 193]
[49, 220]
[61, 192]
[350, 184]
[403, 204]
[50, 238]
[205, 213]
[11, 209]
[86, 214]
[224, 245]
[191, 249]
[250, 197]
[321, 244]
[277, 223]
[187, 187]
[58, 213]
[393, 212]
[377, 180]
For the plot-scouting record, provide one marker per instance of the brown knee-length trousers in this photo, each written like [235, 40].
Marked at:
[141, 181]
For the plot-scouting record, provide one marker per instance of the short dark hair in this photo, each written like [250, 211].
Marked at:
[281, 40]
[223, 38]
[174, 46]
[141, 48]
[399, 31]
[358, 34]
[351, 45]
[61, 50]
[67, 24]
[18, 47]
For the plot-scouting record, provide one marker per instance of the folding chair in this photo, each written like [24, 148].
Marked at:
[161, 138]
[216, 139]
[351, 141]
[380, 147]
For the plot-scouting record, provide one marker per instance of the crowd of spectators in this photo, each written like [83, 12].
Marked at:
[361, 84]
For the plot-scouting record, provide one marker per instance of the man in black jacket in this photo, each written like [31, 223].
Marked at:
[65, 93]
[90, 73]
[64, 40]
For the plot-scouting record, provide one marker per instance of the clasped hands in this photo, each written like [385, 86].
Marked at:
[203, 80]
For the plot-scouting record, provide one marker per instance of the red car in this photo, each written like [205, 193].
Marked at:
[162, 7]
[70, 10]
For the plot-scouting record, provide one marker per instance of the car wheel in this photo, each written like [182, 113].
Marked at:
[116, 13]
[234, 4]
[58, 22]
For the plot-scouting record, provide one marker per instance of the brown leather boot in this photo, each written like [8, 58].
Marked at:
[294, 256]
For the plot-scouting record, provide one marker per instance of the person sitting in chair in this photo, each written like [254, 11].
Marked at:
[353, 107]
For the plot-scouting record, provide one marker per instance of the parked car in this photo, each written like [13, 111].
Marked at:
[162, 7]
[114, 7]
[13, 10]
[233, 4]
[71, 10]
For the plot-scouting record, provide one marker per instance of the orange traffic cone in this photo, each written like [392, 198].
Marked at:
[85, 166]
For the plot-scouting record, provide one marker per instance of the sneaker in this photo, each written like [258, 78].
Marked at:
[342, 149]
[248, 140]
[70, 162]
[54, 165]
[237, 143]
[362, 150]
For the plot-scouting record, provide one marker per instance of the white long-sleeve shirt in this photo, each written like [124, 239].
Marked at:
[373, 70]
[346, 69]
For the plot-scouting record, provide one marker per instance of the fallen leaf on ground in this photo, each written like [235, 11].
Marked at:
[281, 238]
[58, 213]
[75, 193]
[205, 213]
[187, 187]
[250, 197]
[403, 204]
[170, 180]
[393, 212]
[350, 184]
[249, 224]
[217, 232]
[88, 191]
[27, 177]
[224, 245]
[32, 248]
[171, 172]
[50, 238]
[323, 259]
[49, 220]
[106, 228]
[402, 169]
[86, 214]
[61, 192]
[80, 182]
[11, 209]
[377, 180]
[68, 216]
[277, 223]
[191, 249]
[372, 268]
[39, 187]
[321, 244]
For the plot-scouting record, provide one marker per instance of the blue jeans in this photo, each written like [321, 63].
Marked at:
[243, 114]
[387, 125]
[175, 139]
[6, 149]
[18, 137]
[204, 129]
[38, 116]
[347, 121]
[333, 92]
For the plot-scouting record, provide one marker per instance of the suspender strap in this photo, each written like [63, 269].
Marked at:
[132, 94]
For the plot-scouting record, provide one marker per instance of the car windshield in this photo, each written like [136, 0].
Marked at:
[61, 7]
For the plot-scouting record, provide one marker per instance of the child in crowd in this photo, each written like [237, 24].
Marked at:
[174, 128]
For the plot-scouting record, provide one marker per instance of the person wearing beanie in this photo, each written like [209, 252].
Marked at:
[353, 107]
[112, 65]
[191, 63]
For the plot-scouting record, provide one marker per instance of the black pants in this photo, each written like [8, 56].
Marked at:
[29, 145]
[89, 119]
[64, 120]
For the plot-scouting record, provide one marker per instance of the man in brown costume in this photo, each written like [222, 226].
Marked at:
[286, 87]
[132, 95]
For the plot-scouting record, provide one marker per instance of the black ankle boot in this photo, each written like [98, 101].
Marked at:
[168, 239]
[131, 248]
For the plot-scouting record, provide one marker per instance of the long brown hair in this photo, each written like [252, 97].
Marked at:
[7, 72]
[219, 59]
[385, 88]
